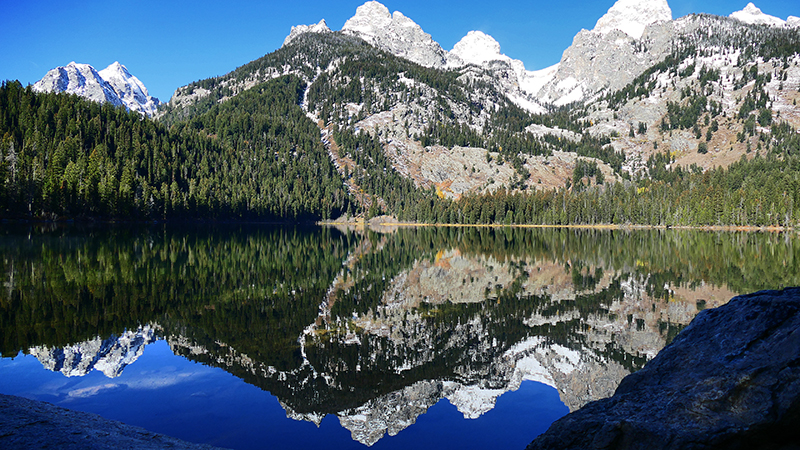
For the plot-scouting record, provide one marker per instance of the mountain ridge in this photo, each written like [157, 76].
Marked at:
[114, 85]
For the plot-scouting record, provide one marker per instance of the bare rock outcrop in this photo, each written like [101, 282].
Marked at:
[26, 424]
[730, 380]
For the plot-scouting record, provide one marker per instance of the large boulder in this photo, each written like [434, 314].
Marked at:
[730, 380]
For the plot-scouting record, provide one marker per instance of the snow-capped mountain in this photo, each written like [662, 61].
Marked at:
[80, 79]
[395, 33]
[110, 355]
[401, 36]
[753, 15]
[609, 56]
[480, 49]
[114, 85]
[632, 16]
[130, 90]
[559, 84]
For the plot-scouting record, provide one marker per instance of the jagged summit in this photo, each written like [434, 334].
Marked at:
[321, 27]
[368, 19]
[395, 33]
[80, 79]
[114, 84]
[632, 16]
[130, 90]
[753, 15]
[110, 355]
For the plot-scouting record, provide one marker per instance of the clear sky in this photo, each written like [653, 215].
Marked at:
[170, 43]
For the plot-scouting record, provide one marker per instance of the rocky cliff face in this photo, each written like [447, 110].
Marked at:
[625, 42]
[729, 380]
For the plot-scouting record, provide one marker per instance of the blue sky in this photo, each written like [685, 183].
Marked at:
[167, 43]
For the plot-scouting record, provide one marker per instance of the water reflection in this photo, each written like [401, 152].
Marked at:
[376, 328]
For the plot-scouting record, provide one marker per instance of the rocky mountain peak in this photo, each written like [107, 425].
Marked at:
[632, 16]
[369, 18]
[117, 69]
[396, 34]
[753, 15]
[114, 84]
[129, 89]
[80, 79]
[321, 27]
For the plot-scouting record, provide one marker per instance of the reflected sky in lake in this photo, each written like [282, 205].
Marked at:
[172, 395]
[253, 337]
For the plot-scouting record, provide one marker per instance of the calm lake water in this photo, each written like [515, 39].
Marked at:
[260, 337]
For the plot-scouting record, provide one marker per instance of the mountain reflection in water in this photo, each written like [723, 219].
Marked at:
[375, 328]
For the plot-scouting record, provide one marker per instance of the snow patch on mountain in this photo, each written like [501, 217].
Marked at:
[479, 48]
[482, 50]
[753, 15]
[632, 16]
[130, 90]
[320, 27]
[114, 85]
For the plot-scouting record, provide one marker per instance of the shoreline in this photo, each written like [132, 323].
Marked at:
[390, 223]
[720, 228]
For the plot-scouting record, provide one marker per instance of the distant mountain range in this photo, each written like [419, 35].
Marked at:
[400, 35]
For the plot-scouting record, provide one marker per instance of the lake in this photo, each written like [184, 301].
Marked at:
[248, 336]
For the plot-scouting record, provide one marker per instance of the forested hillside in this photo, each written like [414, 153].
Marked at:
[256, 157]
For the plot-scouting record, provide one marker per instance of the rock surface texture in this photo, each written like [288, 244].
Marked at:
[396, 34]
[730, 380]
[28, 424]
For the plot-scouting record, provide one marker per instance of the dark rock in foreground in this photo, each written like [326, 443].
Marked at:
[730, 380]
[28, 424]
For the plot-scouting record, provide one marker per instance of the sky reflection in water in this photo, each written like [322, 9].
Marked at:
[172, 395]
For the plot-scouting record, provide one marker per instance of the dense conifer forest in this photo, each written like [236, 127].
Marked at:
[254, 157]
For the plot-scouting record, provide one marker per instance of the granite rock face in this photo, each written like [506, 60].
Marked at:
[396, 34]
[730, 380]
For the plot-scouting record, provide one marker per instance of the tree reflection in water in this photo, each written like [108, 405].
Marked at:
[375, 328]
